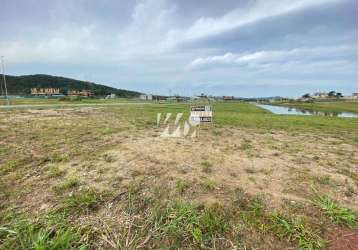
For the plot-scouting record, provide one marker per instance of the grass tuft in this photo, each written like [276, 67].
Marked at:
[81, 201]
[206, 166]
[337, 214]
[55, 171]
[295, 230]
[8, 166]
[180, 220]
[209, 184]
[181, 186]
[50, 232]
[68, 183]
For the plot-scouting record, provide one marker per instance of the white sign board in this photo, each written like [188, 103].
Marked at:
[201, 114]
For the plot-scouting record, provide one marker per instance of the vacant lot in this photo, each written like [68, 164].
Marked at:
[103, 178]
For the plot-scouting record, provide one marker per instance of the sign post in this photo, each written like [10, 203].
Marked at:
[201, 114]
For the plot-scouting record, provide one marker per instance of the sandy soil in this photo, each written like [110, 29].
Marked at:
[277, 166]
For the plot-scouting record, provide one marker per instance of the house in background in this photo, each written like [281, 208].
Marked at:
[319, 95]
[146, 97]
[228, 98]
[82, 93]
[45, 91]
[111, 96]
[199, 97]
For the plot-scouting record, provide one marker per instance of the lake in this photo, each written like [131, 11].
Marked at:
[280, 110]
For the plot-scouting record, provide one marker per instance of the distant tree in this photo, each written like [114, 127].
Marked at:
[21, 85]
[339, 95]
[332, 93]
[306, 96]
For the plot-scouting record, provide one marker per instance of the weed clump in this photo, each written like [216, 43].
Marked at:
[209, 184]
[337, 214]
[182, 221]
[295, 230]
[206, 166]
[8, 166]
[181, 186]
[48, 232]
[69, 183]
[254, 214]
[81, 201]
[54, 171]
[245, 145]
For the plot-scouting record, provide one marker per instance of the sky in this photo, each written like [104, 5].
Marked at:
[244, 48]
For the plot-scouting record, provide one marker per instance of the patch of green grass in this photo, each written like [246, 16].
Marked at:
[136, 202]
[246, 145]
[323, 180]
[206, 166]
[254, 214]
[81, 201]
[337, 214]
[50, 232]
[181, 220]
[59, 158]
[217, 132]
[295, 230]
[8, 166]
[107, 131]
[252, 211]
[181, 186]
[209, 184]
[68, 183]
[252, 179]
[214, 221]
[54, 171]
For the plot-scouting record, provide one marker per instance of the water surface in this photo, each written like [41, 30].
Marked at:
[281, 110]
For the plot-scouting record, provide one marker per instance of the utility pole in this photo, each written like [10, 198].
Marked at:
[4, 78]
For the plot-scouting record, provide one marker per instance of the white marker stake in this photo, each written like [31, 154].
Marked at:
[186, 128]
[176, 133]
[158, 118]
[165, 133]
[177, 119]
[167, 118]
[193, 135]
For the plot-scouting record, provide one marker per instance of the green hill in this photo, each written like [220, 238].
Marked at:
[21, 85]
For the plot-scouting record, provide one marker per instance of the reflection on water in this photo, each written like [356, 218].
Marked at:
[297, 111]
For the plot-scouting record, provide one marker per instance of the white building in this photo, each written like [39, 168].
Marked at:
[319, 95]
[146, 97]
[111, 96]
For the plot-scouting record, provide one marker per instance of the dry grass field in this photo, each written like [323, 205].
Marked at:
[103, 178]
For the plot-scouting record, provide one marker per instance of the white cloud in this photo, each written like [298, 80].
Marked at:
[256, 11]
[279, 56]
[153, 30]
